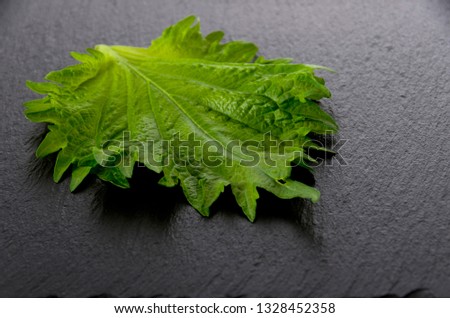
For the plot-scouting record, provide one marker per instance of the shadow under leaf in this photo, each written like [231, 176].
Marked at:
[38, 169]
[146, 198]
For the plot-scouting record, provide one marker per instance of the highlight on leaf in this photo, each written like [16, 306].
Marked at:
[200, 112]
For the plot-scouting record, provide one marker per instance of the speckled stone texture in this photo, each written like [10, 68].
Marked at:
[382, 227]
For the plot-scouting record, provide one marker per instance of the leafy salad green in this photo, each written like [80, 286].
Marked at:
[204, 114]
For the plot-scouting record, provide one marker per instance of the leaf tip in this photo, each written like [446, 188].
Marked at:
[32, 85]
[78, 175]
[315, 197]
[62, 164]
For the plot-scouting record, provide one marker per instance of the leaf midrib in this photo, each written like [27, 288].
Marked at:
[124, 61]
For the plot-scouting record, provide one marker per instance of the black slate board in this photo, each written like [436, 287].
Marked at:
[381, 227]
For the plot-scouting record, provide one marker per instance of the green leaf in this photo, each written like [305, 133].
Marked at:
[188, 106]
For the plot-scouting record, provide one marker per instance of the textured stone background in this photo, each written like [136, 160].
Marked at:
[381, 227]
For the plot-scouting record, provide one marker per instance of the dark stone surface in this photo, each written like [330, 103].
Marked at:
[381, 227]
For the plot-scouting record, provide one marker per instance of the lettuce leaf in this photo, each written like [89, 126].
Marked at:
[159, 106]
